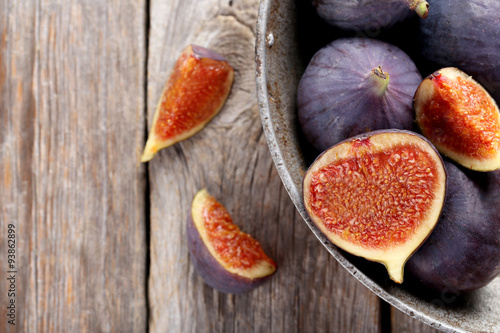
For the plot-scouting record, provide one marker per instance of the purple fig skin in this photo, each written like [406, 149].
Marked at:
[211, 271]
[202, 52]
[365, 15]
[463, 252]
[337, 97]
[466, 35]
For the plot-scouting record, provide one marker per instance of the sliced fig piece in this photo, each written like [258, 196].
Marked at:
[377, 195]
[195, 92]
[363, 15]
[463, 252]
[466, 35]
[460, 118]
[227, 259]
[353, 86]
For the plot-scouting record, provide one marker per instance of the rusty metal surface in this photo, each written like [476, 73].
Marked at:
[278, 72]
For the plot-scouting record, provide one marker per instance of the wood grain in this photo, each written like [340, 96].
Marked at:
[17, 110]
[230, 158]
[71, 133]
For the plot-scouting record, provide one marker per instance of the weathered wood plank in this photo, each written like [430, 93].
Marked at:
[71, 134]
[17, 109]
[230, 158]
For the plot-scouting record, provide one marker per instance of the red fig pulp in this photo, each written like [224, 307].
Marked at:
[195, 92]
[460, 118]
[378, 195]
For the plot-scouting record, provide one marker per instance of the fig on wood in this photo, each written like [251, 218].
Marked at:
[226, 258]
[195, 92]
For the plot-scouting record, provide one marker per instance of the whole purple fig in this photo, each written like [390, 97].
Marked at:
[353, 86]
[463, 252]
[466, 35]
[363, 15]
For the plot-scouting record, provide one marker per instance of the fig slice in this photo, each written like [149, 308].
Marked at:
[377, 195]
[227, 259]
[460, 118]
[195, 92]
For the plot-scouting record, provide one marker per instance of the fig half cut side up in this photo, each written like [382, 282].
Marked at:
[377, 195]
[226, 258]
[196, 90]
[460, 118]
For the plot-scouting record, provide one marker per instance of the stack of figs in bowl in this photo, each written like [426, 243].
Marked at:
[382, 119]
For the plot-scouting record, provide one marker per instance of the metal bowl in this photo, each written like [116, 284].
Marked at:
[279, 67]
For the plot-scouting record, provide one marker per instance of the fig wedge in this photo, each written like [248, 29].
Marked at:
[460, 118]
[195, 92]
[377, 195]
[227, 259]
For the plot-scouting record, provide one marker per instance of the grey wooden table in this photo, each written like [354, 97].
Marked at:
[99, 237]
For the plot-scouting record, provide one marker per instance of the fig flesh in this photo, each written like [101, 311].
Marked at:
[227, 259]
[353, 86]
[377, 195]
[466, 35]
[368, 14]
[460, 118]
[463, 252]
[195, 92]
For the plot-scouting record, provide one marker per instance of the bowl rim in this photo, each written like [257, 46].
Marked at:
[261, 45]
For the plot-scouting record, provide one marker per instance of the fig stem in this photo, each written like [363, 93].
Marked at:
[421, 7]
[395, 270]
[380, 80]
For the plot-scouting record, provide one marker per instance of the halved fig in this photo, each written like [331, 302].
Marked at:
[227, 259]
[460, 118]
[377, 195]
[195, 92]
[353, 86]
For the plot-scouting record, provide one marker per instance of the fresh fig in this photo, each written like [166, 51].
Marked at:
[377, 195]
[362, 15]
[353, 86]
[460, 118]
[227, 259]
[195, 92]
[463, 252]
[466, 35]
